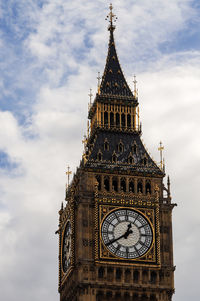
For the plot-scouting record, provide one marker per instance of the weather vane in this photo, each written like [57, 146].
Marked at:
[111, 17]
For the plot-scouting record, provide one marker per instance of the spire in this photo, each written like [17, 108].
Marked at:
[113, 80]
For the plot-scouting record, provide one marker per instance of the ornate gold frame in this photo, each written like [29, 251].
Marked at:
[150, 212]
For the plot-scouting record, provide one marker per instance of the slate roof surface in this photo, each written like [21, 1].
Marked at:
[127, 140]
[113, 81]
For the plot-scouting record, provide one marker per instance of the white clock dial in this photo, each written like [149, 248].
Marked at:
[126, 233]
[66, 248]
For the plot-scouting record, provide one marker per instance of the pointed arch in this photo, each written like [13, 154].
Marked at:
[117, 120]
[111, 119]
[130, 158]
[131, 186]
[123, 184]
[139, 187]
[120, 147]
[106, 184]
[123, 120]
[114, 184]
[98, 178]
[128, 120]
[99, 156]
[105, 118]
[114, 158]
[148, 188]
[106, 145]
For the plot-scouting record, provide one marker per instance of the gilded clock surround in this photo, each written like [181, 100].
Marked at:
[116, 171]
[102, 208]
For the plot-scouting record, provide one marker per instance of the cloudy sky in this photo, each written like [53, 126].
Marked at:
[50, 54]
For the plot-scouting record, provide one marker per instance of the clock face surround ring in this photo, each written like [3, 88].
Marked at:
[66, 247]
[127, 233]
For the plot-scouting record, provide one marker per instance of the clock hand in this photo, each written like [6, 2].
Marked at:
[115, 239]
[125, 235]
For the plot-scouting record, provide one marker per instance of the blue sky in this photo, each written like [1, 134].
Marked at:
[50, 55]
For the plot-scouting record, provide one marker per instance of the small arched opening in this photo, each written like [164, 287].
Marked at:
[99, 182]
[131, 186]
[148, 188]
[136, 276]
[105, 118]
[111, 119]
[123, 185]
[139, 187]
[101, 273]
[117, 120]
[128, 120]
[153, 277]
[127, 275]
[118, 274]
[114, 184]
[123, 120]
[106, 184]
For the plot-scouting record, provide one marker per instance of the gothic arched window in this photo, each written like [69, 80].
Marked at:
[106, 145]
[136, 276]
[99, 182]
[111, 119]
[128, 120]
[114, 184]
[131, 186]
[153, 277]
[134, 148]
[123, 185]
[99, 156]
[118, 274]
[114, 158]
[120, 147]
[117, 120]
[123, 120]
[145, 276]
[101, 272]
[105, 118]
[148, 188]
[106, 184]
[127, 275]
[139, 187]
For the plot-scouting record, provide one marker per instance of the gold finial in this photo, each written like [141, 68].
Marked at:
[161, 148]
[68, 173]
[84, 141]
[111, 17]
[98, 85]
[135, 86]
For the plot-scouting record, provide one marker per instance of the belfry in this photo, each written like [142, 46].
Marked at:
[115, 230]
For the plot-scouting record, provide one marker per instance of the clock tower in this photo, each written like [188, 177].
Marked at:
[115, 230]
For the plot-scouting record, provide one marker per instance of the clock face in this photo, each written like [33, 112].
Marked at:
[126, 233]
[66, 248]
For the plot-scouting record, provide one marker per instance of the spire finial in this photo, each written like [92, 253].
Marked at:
[135, 86]
[161, 148]
[111, 17]
[68, 173]
[98, 84]
[90, 103]
[90, 95]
